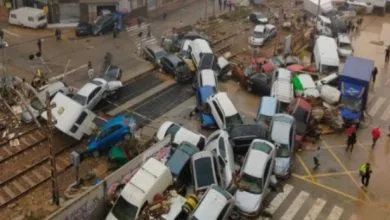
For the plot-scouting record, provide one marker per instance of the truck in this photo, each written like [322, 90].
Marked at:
[311, 6]
[354, 82]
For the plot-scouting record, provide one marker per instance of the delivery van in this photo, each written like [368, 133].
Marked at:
[151, 179]
[326, 56]
[28, 17]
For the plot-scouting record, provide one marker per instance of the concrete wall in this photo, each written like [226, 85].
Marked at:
[92, 203]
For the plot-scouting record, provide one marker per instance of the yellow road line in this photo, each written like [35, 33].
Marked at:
[346, 170]
[331, 189]
[333, 174]
[305, 167]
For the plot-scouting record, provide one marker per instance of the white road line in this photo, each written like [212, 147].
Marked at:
[11, 33]
[315, 209]
[296, 205]
[379, 102]
[61, 76]
[278, 200]
[336, 213]
[386, 114]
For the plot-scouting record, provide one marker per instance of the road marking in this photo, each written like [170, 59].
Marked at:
[296, 205]
[386, 114]
[11, 33]
[315, 209]
[333, 174]
[379, 102]
[278, 200]
[305, 167]
[61, 76]
[336, 213]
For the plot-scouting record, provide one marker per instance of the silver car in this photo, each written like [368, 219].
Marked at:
[218, 143]
[282, 133]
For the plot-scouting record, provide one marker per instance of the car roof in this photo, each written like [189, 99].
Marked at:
[259, 28]
[212, 203]
[51, 88]
[155, 48]
[259, 130]
[257, 159]
[208, 77]
[227, 106]
[281, 126]
[87, 89]
[303, 104]
[268, 105]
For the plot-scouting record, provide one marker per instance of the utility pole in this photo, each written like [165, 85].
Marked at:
[50, 127]
[213, 7]
[206, 9]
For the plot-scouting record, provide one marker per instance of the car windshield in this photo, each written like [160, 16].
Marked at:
[173, 129]
[181, 67]
[233, 120]
[124, 210]
[251, 184]
[301, 114]
[36, 104]
[345, 46]
[258, 34]
[283, 151]
[204, 172]
[351, 103]
[80, 99]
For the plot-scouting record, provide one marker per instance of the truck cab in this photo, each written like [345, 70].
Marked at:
[354, 86]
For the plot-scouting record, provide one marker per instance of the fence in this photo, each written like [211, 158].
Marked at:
[92, 203]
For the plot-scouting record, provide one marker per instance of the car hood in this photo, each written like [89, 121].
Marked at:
[282, 165]
[247, 202]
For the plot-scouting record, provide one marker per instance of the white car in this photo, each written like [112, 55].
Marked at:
[180, 134]
[94, 91]
[261, 34]
[206, 77]
[283, 131]
[344, 45]
[254, 177]
[203, 170]
[215, 204]
[37, 104]
[223, 111]
[218, 143]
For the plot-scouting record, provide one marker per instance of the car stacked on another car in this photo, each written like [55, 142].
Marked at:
[205, 85]
[177, 67]
[300, 109]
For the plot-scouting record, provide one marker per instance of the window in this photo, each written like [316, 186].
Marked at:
[124, 210]
[173, 129]
[267, 170]
[93, 94]
[13, 16]
[30, 18]
[218, 110]
[80, 99]
[81, 118]
[204, 173]
[74, 129]
[108, 131]
[221, 146]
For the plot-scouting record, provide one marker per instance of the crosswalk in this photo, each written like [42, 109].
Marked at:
[292, 204]
[379, 108]
[133, 31]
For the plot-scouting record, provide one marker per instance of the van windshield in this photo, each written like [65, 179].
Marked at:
[233, 120]
[80, 99]
[251, 184]
[41, 18]
[124, 210]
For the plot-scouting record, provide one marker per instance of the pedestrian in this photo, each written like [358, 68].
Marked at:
[365, 174]
[149, 33]
[115, 31]
[387, 54]
[139, 22]
[349, 26]
[374, 72]
[220, 4]
[359, 22]
[140, 34]
[316, 157]
[224, 4]
[351, 142]
[164, 16]
[91, 71]
[230, 5]
[58, 34]
[351, 130]
[375, 134]
[389, 132]
[39, 44]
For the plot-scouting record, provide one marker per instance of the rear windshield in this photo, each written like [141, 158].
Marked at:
[204, 172]
[124, 210]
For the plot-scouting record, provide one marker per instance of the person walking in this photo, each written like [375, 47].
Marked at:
[149, 33]
[387, 54]
[39, 44]
[365, 174]
[351, 142]
[316, 157]
[115, 31]
[224, 4]
[58, 34]
[374, 73]
[375, 134]
[91, 71]
[220, 4]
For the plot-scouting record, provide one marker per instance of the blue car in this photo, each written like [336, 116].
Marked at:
[206, 118]
[112, 132]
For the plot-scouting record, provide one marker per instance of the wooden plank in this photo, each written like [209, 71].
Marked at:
[2, 200]
[38, 175]
[18, 186]
[28, 180]
[9, 192]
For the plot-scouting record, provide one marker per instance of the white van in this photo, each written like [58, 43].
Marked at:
[71, 118]
[197, 49]
[28, 17]
[283, 91]
[223, 111]
[324, 26]
[326, 55]
[151, 179]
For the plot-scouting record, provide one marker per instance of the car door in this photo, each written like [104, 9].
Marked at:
[267, 174]
[94, 98]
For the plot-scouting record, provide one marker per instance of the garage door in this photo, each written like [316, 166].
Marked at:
[69, 12]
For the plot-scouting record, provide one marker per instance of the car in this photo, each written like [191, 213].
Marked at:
[215, 204]
[112, 132]
[300, 109]
[83, 29]
[282, 134]
[206, 118]
[184, 51]
[218, 143]
[258, 18]
[260, 84]
[94, 91]
[112, 73]
[178, 162]
[261, 34]
[177, 67]
[281, 74]
[104, 24]
[37, 104]
[180, 134]
[254, 177]
[153, 53]
[281, 61]
[203, 170]
[344, 45]
[223, 110]
[193, 35]
[241, 136]
[268, 107]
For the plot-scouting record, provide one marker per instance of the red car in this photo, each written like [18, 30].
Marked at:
[300, 109]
